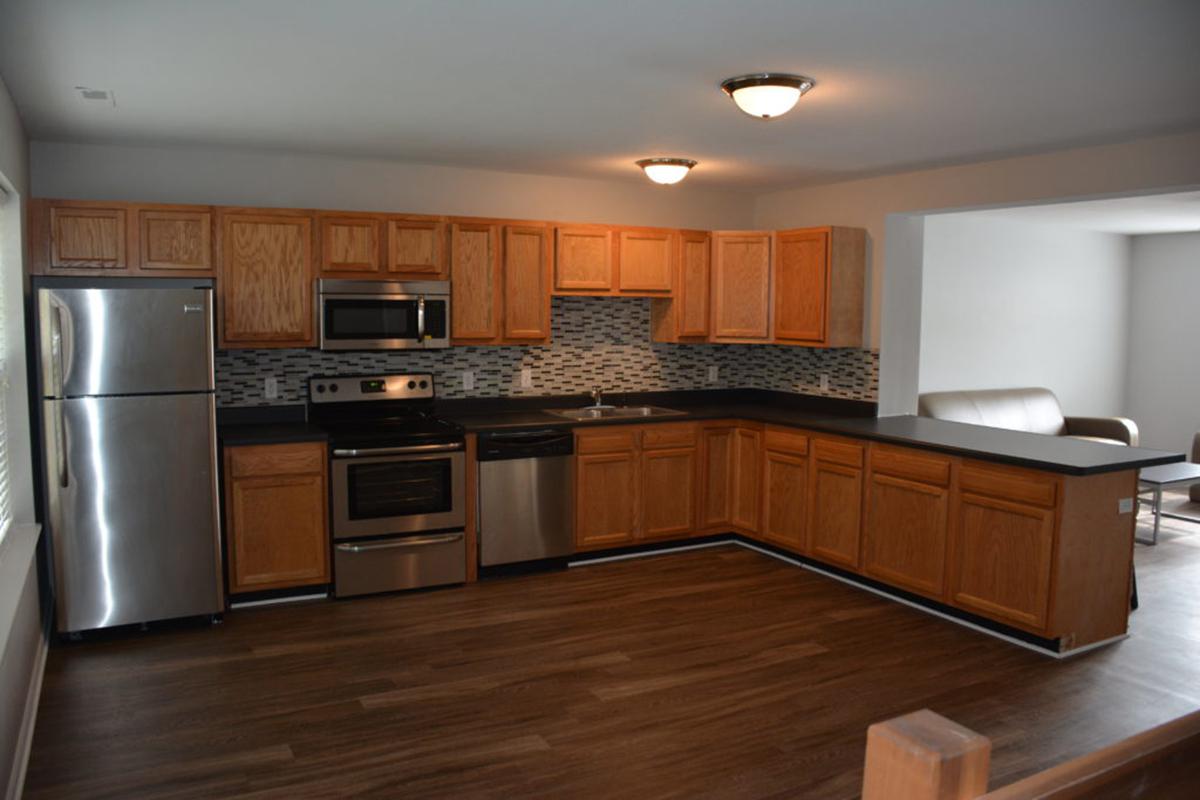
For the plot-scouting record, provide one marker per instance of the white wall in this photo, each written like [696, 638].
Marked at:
[261, 178]
[1008, 304]
[1163, 392]
[22, 643]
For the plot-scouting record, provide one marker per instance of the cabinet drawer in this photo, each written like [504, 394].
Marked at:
[277, 459]
[907, 464]
[1007, 483]
[787, 441]
[838, 452]
[674, 434]
[606, 440]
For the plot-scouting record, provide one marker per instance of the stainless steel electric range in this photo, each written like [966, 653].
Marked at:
[397, 483]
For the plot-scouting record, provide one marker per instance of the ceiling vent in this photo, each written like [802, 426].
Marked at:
[101, 95]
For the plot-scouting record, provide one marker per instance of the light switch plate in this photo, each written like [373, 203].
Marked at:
[1125, 505]
[468, 378]
[271, 387]
[824, 380]
[526, 378]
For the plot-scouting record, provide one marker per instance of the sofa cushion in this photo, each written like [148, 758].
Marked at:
[1031, 409]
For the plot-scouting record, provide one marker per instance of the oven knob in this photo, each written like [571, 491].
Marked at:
[333, 387]
[412, 384]
[320, 388]
[424, 384]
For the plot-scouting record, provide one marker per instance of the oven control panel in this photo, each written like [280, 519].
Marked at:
[364, 388]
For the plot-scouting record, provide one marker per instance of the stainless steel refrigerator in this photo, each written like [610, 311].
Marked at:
[129, 434]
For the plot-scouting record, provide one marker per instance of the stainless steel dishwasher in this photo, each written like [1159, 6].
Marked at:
[526, 496]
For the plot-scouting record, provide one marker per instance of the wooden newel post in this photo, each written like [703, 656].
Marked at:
[924, 756]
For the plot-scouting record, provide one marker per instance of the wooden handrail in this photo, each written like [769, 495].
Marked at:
[924, 756]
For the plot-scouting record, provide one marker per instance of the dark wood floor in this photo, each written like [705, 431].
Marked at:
[711, 673]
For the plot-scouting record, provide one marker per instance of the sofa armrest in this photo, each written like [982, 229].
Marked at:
[1196, 448]
[1119, 428]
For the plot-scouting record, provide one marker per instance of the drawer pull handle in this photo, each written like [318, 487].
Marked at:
[414, 542]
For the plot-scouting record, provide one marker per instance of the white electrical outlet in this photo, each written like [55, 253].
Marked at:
[271, 387]
[713, 373]
[824, 380]
[526, 378]
[1125, 505]
[468, 379]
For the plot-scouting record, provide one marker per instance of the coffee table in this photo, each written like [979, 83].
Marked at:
[1155, 479]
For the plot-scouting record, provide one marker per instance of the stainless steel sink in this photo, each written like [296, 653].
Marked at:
[611, 412]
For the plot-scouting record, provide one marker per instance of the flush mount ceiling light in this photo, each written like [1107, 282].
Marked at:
[766, 95]
[666, 170]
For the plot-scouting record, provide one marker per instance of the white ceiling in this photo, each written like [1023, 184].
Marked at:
[1161, 213]
[583, 87]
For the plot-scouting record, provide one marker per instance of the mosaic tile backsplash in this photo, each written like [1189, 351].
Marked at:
[595, 341]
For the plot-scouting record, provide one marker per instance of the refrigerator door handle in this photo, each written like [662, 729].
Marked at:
[60, 430]
[63, 346]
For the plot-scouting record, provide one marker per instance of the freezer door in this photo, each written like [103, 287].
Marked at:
[110, 341]
[131, 505]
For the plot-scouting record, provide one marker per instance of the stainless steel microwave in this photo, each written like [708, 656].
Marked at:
[383, 315]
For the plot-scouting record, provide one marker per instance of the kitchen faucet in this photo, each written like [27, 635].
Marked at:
[597, 396]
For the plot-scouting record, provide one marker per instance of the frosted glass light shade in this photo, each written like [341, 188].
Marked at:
[666, 170]
[766, 95]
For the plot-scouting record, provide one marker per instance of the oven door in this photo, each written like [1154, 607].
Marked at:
[398, 490]
[371, 321]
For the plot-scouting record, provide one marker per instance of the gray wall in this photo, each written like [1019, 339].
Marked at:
[1008, 304]
[1163, 392]
[22, 643]
[260, 178]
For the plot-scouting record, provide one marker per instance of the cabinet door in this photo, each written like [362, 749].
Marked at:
[645, 261]
[785, 498]
[1002, 558]
[175, 240]
[835, 502]
[277, 532]
[747, 445]
[606, 499]
[691, 294]
[583, 259]
[716, 488]
[417, 249]
[527, 283]
[801, 282]
[87, 238]
[266, 280]
[905, 534]
[351, 244]
[741, 286]
[476, 300]
[668, 491]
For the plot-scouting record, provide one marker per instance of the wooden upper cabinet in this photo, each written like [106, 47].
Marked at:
[741, 286]
[527, 283]
[646, 261]
[684, 316]
[276, 516]
[88, 237]
[906, 525]
[476, 299]
[800, 285]
[175, 240]
[416, 248]
[820, 275]
[351, 244]
[266, 280]
[835, 501]
[583, 262]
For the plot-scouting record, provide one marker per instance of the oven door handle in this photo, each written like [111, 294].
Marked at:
[397, 451]
[419, 541]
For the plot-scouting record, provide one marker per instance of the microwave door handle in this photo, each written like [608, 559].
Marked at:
[421, 318]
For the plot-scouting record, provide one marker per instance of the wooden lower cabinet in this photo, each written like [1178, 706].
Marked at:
[716, 475]
[906, 520]
[785, 489]
[606, 499]
[669, 491]
[1003, 553]
[747, 449]
[835, 499]
[275, 516]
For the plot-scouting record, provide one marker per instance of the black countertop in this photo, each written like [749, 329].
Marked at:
[281, 424]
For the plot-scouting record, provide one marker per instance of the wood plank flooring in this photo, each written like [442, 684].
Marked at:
[706, 674]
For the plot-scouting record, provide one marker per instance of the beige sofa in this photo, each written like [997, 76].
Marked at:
[1033, 409]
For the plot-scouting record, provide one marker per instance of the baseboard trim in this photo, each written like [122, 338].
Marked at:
[16, 782]
[657, 551]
